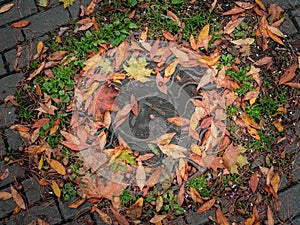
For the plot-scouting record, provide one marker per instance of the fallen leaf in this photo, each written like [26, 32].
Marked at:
[17, 197]
[40, 47]
[12, 99]
[253, 133]
[288, 75]
[161, 84]
[154, 178]
[67, 3]
[157, 218]
[231, 25]
[43, 3]
[278, 125]
[213, 5]
[233, 158]
[270, 217]
[5, 195]
[193, 42]
[37, 71]
[19, 127]
[40, 123]
[275, 181]
[159, 203]
[260, 4]
[276, 31]
[140, 176]
[195, 195]
[91, 7]
[244, 5]
[181, 196]
[178, 121]
[137, 70]
[233, 11]
[20, 24]
[122, 115]
[221, 219]
[4, 174]
[173, 151]
[247, 119]
[120, 218]
[168, 35]
[103, 216]
[203, 33]
[43, 182]
[264, 61]
[206, 205]
[6, 7]
[253, 183]
[42, 222]
[274, 37]
[245, 41]
[275, 11]
[56, 188]
[173, 17]
[293, 85]
[171, 69]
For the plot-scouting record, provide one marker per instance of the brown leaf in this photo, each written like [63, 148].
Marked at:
[43, 182]
[207, 205]
[12, 99]
[4, 174]
[58, 55]
[20, 24]
[140, 176]
[157, 219]
[56, 188]
[263, 61]
[260, 4]
[159, 203]
[221, 219]
[275, 11]
[173, 151]
[247, 119]
[181, 196]
[233, 158]
[278, 125]
[270, 216]
[276, 31]
[173, 17]
[104, 99]
[253, 183]
[288, 75]
[119, 218]
[122, 115]
[40, 123]
[19, 127]
[37, 71]
[161, 84]
[6, 7]
[17, 197]
[168, 35]
[244, 5]
[233, 11]
[154, 178]
[5, 195]
[103, 216]
[195, 195]
[293, 85]
[42, 222]
[231, 25]
[274, 37]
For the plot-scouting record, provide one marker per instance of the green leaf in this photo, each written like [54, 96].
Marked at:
[133, 26]
[67, 3]
[43, 3]
[127, 157]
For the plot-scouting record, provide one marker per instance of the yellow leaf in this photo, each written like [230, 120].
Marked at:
[203, 33]
[17, 197]
[171, 69]
[253, 132]
[137, 70]
[261, 5]
[58, 167]
[91, 90]
[56, 188]
[247, 119]
[159, 203]
[278, 125]
[41, 163]
[40, 47]
[193, 42]
[274, 37]
[275, 182]
[67, 3]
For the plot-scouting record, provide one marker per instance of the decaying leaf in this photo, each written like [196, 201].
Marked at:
[229, 28]
[103, 216]
[159, 203]
[247, 119]
[168, 35]
[120, 218]
[270, 216]
[5, 195]
[195, 195]
[260, 4]
[233, 158]
[278, 125]
[181, 196]
[20, 24]
[140, 176]
[6, 7]
[137, 70]
[56, 189]
[4, 175]
[275, 181]
[253, 183]
[288, 75]
[221, 219]
[206, 205]
[17, 197]
[77, 203]
[157, 218]
[67, 3]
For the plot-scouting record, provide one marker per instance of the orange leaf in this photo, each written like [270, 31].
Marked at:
[235, 10]
[247, 119]
[274, 37]
[278, 125]
[17, 197]
[168, 35]
[253, 183]
[195, 195]
[21, 24]
[77, 203]
[206, 206]
[170, 69]
[5, 195]
[181, 196]
[57, 166]
[38, 89]
[288, 75]
[193, 42]
[253, 132]
[178, 121]
[6, 7]
[261, 5]
[158, 218]
[40, 123]
[43, 182]
[20, 128]
[221, 219]
[55, 188]
[293, 85]
[270, 216]
[275, 182]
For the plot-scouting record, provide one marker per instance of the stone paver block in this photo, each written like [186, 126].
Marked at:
[194, 218]
[6, 207]
[15, 171]
[20, 10]
[32, 190]
[28, 51]
[296, 167]
[85, 219]
[2, 69]
[8, 85]
[296, 14]
[10, 37]
[2, 149]
[290, 203]
[288, 27]
[97, 219]
[7, 115]
[69, 213]
[284, 4]
[46, 21]
[75, 8]
[13, 139]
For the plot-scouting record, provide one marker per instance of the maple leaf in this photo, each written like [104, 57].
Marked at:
[67, 3]
[137, 70]
[233, 158]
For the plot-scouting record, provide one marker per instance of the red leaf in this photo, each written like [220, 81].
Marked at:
[181, 196]
[40, 123]
[206, 206]
[253, 183]
[21, 24]
[288, 74]
[104, 99]
[221, 219]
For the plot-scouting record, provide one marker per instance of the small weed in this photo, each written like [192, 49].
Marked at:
[68, 191]
[127, 198]
[200, 184]
[170, 203]
[232, 111]
[231, 179]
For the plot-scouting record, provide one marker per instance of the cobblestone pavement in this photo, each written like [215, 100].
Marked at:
[39, 202]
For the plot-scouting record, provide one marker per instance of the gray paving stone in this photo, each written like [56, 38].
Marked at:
[28, 51]
[7, 115]
[296, 14]
[69, 213]
[289, 203]
[194, 218]
[97, 220]
[15, 171]
[2, 69]
[20, 10]
[6, 207]
[32, 190]
[83, 220]
[2, 149]
[13, 138]
[8, 85]
[296, 167]
[46, 21]
[10, 37]
[288, 27]
[284, 4]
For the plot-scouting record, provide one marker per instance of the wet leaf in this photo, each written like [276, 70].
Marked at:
[221, 219]
[253, 183]
[254, 133]
[247, 119]
[67, 3]
[104, 99]
[20, 24]
[233, 11]
[288, 75]
[275, 11]
[5, 195]
[6, 7]
[233, 158]
[173, 151]
[17, 197]
[260, 4]
[122, 115]
[207, 205]
[159, 203]
[77, 203]
[171, 69]
[181, 196]
[178, 121]
[157, 218]
[275, 181]
[56, 189]
[168, 35]
[137, 70]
